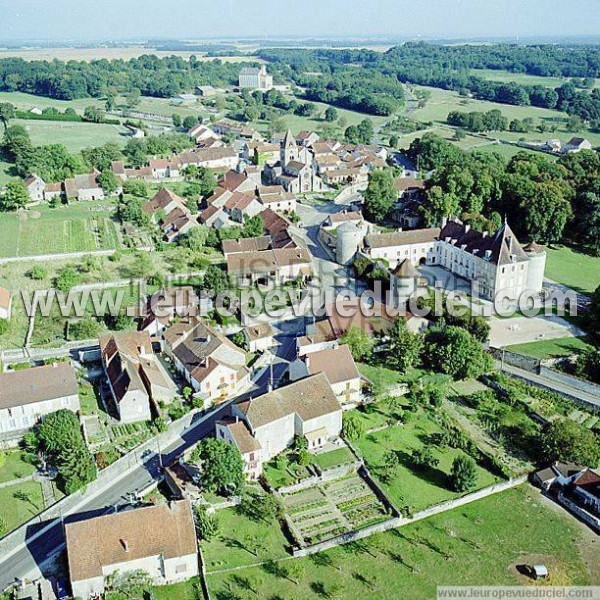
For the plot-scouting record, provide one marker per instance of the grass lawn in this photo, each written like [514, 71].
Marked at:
[19, 503]
[520, 78]
[334, 458]
[15, 467]
[88, 399]
[381, 374]
[5, 171]
[473, 545]
[233, 547]
[441, 102]
[75, 136]
[408, 487]
[552, 348]
[572, 268]
[186, 590]
[78, 227]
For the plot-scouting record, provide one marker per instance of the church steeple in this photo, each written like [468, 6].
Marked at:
[289, 150]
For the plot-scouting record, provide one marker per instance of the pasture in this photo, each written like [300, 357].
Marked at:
[522, 78]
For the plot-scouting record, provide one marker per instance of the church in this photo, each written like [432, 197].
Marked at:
[295, 171]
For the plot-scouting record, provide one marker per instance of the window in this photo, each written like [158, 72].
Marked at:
[181, 568]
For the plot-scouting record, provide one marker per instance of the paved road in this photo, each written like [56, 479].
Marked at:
[23, 562]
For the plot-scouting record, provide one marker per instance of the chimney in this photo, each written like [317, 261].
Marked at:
[467, 228]
[444, 221]
[125, 545]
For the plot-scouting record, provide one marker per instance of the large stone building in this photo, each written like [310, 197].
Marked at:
[497, 262]
[256, 78]
[160, 540]
[28, 395]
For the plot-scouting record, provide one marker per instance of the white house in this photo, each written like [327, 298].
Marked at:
[135, 375]
[577, 144]
[213, 365]
[28, 395]
[259, 337]
[35, 188]
[255, 78]
[307, 408]
[160, 540]
[235, 432]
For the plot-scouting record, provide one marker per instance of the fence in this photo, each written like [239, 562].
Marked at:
[393, 523]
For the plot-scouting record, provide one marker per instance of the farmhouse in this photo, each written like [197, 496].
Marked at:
[84, 187]
[134, 374]
[306, 408]
[28, 395]
[213, 365]
[35, 188]
[577, 144]
[160, 540]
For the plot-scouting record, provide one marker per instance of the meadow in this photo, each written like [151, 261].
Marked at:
[481, 543]
[522, 78]
[572, 268]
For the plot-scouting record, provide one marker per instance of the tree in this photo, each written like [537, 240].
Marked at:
[189, 122]
[360, 343]
[108, 181]
[15, 196]
[463, 475]
[176, 120]
[93, 114]
[568, 441]
[7, 112]
[352, 426]
[381, 194]
[38, 272]
[67, 278]
[101, 157]
[424, 457]
[221, 465]
[214, 281]
[404, 347]
[133, 585]
[453, 350]
[331, 114]
[253, 227]
[207, 525]
[259, 507]
[61, 439]
[135, 187]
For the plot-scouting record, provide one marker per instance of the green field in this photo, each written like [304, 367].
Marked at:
[81, 227]
[475, 545]
[572, 268]
[75, 136]
[19, 503]
[15, 467]
[407, 486]
[552, 348]
[232, 547]
[522, 78]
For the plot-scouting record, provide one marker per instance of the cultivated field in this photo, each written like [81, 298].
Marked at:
[125, 53]
[483, 542]
[43, 230]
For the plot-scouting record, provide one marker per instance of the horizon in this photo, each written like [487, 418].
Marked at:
[34, 20]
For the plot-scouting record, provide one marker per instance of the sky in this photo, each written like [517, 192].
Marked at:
[55, 20]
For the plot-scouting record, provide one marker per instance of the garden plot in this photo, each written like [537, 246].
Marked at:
[328, 509]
